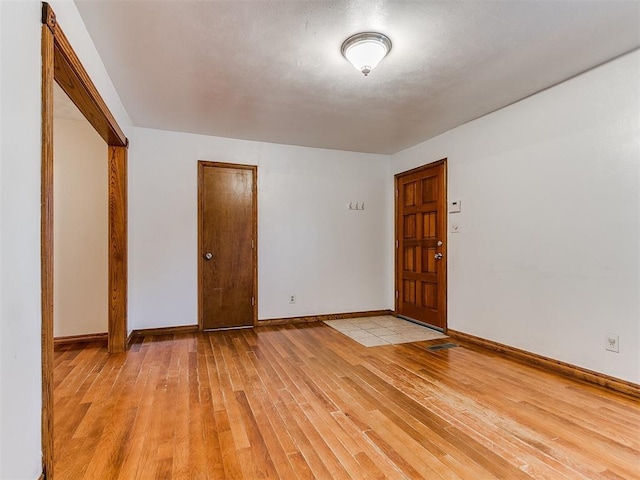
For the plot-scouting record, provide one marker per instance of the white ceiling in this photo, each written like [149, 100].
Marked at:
[271, 70]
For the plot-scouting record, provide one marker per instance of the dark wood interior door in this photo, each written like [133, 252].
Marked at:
[421, 245]
[228, 261]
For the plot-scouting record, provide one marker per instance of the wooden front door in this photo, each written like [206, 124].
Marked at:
[227, 211]
[421, 244]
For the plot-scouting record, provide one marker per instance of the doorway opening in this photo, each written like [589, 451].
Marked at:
[80, 197]
[61, 65]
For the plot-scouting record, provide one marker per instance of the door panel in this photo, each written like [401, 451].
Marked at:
[227, 212]
[421, 244]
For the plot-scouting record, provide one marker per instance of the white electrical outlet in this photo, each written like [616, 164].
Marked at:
[613, 343]
[292, 298]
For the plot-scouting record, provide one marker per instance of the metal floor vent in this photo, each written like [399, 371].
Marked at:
[442, 346]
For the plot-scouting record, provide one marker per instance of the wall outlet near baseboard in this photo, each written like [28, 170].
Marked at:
[613, 343]
[292, 298]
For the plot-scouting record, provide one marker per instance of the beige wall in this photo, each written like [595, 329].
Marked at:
[80, 229]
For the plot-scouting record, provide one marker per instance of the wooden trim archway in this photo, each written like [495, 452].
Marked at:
[61, 64]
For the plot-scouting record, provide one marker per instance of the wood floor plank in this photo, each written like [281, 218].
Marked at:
[210, 440]
[304, 434]
[230, 460]
[306, 402]
[259, 450]
[268, 393]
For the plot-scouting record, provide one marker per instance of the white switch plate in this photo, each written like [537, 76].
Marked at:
[613, 343]
[454, 227]
[455, 206]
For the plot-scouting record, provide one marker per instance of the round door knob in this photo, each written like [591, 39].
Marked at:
[208, 256]
[438, 256]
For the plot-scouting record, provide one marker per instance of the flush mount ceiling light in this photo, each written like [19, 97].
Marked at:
[365, 50]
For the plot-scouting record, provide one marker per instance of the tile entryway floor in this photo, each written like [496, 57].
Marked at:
[386, 330]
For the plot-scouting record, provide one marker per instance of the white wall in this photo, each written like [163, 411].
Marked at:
[81, 247]
[1, 229]
[309, 243]
[20, 241]
[548, 254]
[547, 258]
[20, 127]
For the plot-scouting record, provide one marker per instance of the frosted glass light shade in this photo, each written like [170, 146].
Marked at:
[366, 50]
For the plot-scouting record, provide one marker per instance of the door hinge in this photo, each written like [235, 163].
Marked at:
[252, 244]
[397, 243]
[397, 294]
[397, 192]
[253, 301]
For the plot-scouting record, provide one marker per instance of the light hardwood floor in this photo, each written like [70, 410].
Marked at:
[304, 401]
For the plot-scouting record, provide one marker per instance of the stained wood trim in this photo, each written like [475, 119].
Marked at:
[207, 163]
[117, 249]
[555, 366]
[201, 165]
[421, 168]
[443, 293]
[147, 332]
[322, 318]
[396, 244]
[49, 17]
[445, 247]
[46, 250]
[72, 77]
[200, 252]
[92, 337]
[61, 64]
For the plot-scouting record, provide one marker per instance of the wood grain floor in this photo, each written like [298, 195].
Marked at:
[304, 401]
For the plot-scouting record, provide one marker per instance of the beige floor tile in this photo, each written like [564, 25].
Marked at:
[358, 334]
[400, 329]
[344, 327]
[372, 342]
[365, 324]
[394, 338]
[409, 338]
[389, 322]
[383, 330]
[335, 323]
[379, 331]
